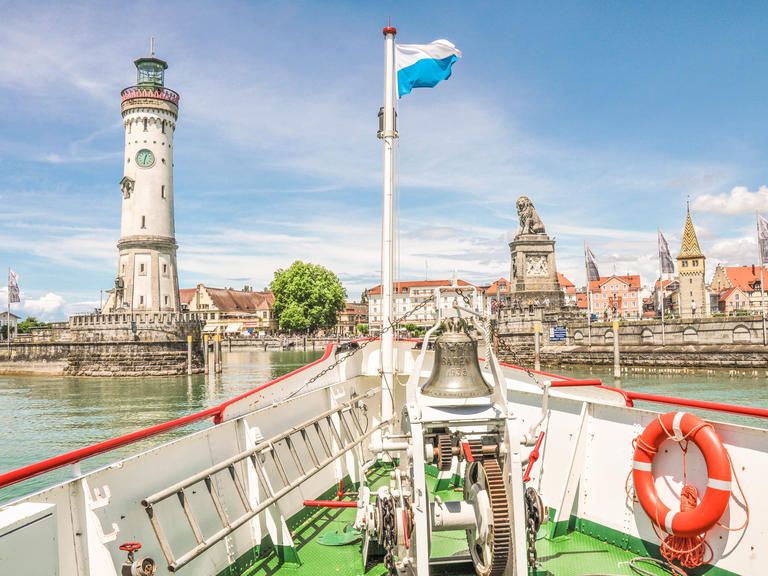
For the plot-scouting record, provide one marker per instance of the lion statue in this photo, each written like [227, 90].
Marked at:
[530, 223]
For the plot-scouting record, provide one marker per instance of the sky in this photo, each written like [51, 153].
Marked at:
[609, 116]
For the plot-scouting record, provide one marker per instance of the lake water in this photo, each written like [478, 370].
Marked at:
[45, 416]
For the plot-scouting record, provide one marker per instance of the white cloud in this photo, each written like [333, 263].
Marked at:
[50, 306]
[738, 201]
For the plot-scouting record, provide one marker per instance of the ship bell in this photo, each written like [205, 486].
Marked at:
[456, 370]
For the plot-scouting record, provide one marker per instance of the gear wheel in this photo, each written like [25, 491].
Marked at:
[444, 452]
[490, 542]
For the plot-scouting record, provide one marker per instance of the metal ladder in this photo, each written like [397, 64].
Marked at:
[346, 424]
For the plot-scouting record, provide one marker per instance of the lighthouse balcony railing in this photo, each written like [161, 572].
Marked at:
[150, 92]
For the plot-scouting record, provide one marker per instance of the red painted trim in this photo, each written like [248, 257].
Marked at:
[703, 404]
[627, 400]
[539, 372]
[565, 383]
[217, 412]
[330, 503]
[533, 457]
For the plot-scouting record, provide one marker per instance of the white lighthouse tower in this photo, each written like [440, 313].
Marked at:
[147, 279]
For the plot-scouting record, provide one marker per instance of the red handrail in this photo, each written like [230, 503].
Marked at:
[703, 404]
[217, 412]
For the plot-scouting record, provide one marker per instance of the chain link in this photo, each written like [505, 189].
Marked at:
[388, 533]
[354, 351]
[532, 521]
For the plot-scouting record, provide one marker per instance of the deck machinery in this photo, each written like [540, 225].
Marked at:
[459, 423]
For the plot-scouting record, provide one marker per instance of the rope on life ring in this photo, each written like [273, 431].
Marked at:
[686, 528]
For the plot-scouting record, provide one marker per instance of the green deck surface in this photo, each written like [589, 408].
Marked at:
[575, 554]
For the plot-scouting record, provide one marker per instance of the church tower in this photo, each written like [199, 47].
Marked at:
[147, 279]
[693, 298]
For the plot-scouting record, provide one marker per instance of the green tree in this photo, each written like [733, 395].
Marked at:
[26, 325]
[307, 297]
[363, 329]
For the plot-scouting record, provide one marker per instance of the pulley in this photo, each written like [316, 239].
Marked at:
[456, 370]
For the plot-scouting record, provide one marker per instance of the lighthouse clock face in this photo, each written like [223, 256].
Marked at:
[145, 158]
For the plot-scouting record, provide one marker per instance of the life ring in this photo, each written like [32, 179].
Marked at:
[681, 426]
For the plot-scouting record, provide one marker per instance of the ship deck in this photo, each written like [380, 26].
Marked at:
[575, 554]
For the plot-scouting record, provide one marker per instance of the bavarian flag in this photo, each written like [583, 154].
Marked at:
[423, 65]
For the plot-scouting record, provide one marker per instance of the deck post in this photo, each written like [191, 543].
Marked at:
[616, 357]
[189, 354]
[205, 353]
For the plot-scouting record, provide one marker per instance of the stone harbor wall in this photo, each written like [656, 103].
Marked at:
[731, 343]
[100, 358]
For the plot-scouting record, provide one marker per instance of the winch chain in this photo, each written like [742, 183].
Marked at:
[533, 521]
[354, 351]
[388, 533]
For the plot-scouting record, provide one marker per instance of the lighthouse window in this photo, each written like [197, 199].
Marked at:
[141, 300]
[162, 191]
[145, 124]
[141, 268]
[163, 126]
[165, 268]
[166, 300]
[143, 221]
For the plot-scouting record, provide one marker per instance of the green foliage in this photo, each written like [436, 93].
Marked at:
[26, 325]
[415, 331]
[362, 328]
[307, 297]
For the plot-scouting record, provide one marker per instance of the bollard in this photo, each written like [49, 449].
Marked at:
[205, 353]
[616, 358]
[536, 346]
[217, 353]
[189, 354]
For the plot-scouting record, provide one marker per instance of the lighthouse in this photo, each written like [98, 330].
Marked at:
[147, 278]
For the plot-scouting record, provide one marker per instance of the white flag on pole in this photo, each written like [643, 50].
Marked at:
[667, 264]
[762, 238]
[13, 287]
[592, 274]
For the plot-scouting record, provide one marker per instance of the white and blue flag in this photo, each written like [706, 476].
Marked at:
[423, 65]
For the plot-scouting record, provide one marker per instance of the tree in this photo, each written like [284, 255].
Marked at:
[26, 325]
[362, 328]
[307, 297]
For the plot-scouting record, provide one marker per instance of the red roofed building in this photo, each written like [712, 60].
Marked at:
[231, 311]
[569, 290]
[616, 296]
[738, 287]
[407, 295]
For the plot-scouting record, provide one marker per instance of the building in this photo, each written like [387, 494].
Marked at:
[733, 300]
[667, 289]
[496, 295]
[743, 284]
[568, 288]
[9, 323]
[229, 311]
[408, 295]
[347, 320]
[147, 279]
[616, 296]
[692, 294]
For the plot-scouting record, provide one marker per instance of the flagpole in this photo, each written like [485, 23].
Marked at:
[661, 282]
[388, 137]
[589, 298]
[762, 289]
[8, 318]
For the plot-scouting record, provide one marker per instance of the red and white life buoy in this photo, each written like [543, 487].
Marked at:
[681, 426]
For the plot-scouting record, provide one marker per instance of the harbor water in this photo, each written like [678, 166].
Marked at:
[46, 416]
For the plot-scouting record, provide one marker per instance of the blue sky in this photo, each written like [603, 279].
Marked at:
[608, 115]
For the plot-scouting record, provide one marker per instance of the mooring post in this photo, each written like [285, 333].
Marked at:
[219, 350]
[536, 346]
[616, 358]
[189, 354]
[205, 353]
[216, 352]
